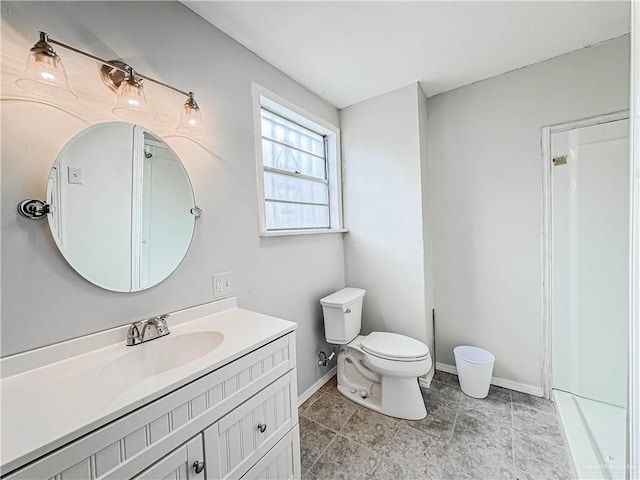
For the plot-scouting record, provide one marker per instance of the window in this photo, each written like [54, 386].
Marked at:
[298, 169]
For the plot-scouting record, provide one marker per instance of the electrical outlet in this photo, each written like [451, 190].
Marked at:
[222, 286]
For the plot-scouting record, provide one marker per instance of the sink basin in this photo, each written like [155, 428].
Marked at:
[160, 355]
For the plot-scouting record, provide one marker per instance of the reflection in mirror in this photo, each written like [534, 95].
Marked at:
[122, 205]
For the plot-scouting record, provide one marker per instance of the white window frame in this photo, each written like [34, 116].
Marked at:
[280, 106]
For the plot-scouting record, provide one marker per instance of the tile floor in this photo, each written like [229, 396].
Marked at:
[508, 435]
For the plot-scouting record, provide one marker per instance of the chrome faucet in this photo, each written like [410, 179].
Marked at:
[137, 332]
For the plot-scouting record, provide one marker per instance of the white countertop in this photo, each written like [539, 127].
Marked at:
[55, 394]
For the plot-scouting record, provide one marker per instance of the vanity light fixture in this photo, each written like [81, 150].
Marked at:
[44, 75]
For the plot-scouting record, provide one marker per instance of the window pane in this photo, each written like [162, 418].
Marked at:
[292, 189]
[284, 131]
[283, 158]
[285, 216]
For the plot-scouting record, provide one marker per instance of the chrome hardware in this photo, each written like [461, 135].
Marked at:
[348, 310]
[34, 209]
[196, 212]
[323, 360]
[198, 466]
[113, 74]
[133, 334]
[159, 324]
[262, 427]
[137, 335]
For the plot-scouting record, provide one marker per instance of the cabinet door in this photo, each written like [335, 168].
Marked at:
[282, 462]
[181, 464]
[238, 440]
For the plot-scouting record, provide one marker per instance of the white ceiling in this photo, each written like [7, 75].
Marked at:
[347, 52]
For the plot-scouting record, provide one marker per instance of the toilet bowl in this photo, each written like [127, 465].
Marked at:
[379, 371]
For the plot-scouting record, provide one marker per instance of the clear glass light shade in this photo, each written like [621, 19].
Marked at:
[131, 103]
[190, 118]
[44, 75]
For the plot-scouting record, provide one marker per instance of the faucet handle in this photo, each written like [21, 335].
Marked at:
[161, 324]
[133, 334]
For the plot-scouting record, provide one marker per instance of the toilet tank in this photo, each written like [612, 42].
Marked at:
[342, 315]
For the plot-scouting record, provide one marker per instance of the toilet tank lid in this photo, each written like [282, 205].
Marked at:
[343, 297]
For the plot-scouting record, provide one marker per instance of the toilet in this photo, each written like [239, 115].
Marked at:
[379, 371]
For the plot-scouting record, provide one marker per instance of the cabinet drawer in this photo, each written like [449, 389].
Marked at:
[282, 462]
[178, 465]
[126, 446]
[242, 437]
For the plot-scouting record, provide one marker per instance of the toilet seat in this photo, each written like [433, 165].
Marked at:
[395, 347]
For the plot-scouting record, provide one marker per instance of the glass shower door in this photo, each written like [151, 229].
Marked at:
[590, 261]
[590, 274]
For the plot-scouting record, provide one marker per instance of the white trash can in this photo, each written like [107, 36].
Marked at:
[475, 367]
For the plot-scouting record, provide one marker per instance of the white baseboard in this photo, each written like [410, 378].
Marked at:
[443, 367]
[316, 386]
[499, 382]
[425, 382]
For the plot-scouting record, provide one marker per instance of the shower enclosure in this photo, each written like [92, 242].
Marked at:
[588, 256]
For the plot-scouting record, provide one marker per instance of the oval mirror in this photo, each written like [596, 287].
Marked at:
[122, 206]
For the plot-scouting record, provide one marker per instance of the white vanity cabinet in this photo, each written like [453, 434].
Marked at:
[240, 420]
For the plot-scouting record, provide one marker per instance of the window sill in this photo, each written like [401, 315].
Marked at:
[282, 233]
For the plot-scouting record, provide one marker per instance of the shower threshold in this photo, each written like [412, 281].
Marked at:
[595, 433]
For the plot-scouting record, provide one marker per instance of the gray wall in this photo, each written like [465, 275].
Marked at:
[43, 299]
[485, 193]
[384, 249]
